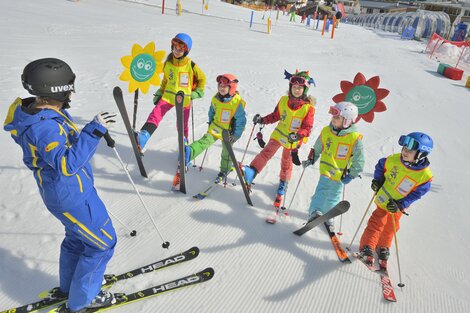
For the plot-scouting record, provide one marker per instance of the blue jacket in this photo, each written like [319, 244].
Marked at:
[416, 194]
[238, 121]
[56, 152]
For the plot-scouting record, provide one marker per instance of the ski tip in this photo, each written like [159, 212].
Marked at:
[194, 251]
[343, 206]
[117, 89]
[207, 273]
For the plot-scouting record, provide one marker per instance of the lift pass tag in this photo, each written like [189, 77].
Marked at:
[406, 185]
[225, 116]
[342, 151]
[184, 79]
[295, 124]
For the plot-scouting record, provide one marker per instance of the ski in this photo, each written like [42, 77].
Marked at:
[372, 267]
[118, 98]
[126, 298]
[179, 100]
[226, 142]
[340, 208]
[206, 192]
[219, 180]
[387, 288]
[342, 255]
[278, 214]
[110, 280]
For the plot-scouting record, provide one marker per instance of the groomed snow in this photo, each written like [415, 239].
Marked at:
[258, 267]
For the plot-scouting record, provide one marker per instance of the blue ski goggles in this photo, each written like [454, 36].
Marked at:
[409, 142]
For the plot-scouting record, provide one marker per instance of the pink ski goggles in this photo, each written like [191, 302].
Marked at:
[297, 80]
[334, 111]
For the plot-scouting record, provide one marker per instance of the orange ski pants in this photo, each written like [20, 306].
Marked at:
[379, 230]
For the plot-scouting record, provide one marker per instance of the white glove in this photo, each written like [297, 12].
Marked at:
[105, 119]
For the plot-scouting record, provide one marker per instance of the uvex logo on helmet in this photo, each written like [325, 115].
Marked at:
[64, 88]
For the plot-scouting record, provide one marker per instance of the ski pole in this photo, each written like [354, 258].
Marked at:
[362, 220]
[248, 143]
[136, 101]
[345, 171]
[283, 206]
[110, 142]
[340, 233]
[192, 124]
[203, 159]
[296, 187]
[133, 233]
[310, 156]
[400, 284]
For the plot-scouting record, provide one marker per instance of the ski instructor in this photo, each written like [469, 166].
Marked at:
[58, 154]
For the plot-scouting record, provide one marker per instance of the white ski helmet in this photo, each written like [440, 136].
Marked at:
[347, 110]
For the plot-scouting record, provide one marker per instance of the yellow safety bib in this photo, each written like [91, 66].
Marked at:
[224, 112]
[337, 151]
[178, 78]
[290, 122]
[399, 180]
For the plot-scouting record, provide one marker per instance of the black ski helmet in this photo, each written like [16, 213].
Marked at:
[49, 77]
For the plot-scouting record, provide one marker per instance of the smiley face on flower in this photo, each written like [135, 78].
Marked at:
[143, 67]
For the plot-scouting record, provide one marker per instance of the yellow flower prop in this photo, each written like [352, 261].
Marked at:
[143, 67]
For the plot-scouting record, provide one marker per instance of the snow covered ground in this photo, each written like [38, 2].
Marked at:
[258, 267]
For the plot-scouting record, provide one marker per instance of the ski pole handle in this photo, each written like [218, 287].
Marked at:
[311, 154]
[109, 141]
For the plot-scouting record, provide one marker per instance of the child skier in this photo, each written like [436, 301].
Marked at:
[227, 111]
[179, 73]
[295, 114]
[399, 180]
[342, 159]
[58, 155]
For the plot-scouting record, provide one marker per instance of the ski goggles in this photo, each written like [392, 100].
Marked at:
[297, 80]
[179, 45]
[334, 111]
[223, 80]
[409, 142]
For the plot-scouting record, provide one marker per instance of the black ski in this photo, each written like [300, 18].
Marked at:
[126, 298]
[110, 280]
[226, 142]
[179, 100]
[117, 93]
[338, 209]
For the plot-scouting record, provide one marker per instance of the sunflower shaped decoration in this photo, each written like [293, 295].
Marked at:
[365, 94]
[143, 67]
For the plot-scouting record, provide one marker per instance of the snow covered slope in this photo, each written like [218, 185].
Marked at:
[258, 267]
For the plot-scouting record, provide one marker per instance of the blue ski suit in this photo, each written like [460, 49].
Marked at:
[58, 155]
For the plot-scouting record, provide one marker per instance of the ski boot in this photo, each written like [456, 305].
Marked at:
[383, 254]
[176, 181]
[278, 201]
[314, 215]
[249, 173]
[56, 294]
[141, 137]
[102, 299]
[281, 189]
[331, 225]
[220, 177]
[187, 155]
[366, 254]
